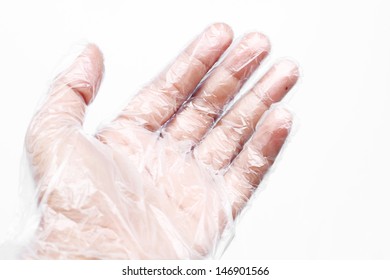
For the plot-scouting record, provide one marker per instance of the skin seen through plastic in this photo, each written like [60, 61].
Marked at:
[157, 182]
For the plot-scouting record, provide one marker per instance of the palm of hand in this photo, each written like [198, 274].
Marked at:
[157, 182]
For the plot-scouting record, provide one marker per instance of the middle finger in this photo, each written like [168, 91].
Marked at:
[199, 113]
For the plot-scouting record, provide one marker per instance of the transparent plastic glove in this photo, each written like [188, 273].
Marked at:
[166, 178]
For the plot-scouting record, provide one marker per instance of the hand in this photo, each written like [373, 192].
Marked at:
[167, 177]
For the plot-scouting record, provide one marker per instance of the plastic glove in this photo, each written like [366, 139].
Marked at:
[167, 177]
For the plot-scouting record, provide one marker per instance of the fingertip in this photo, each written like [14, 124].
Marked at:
[288, 68]
[92, 63]
[85, 74]
[277, 82]
[221, 28]
[211, 43]
[257, 41]
[282, 118]
[218, 34]
[247, 55]
[95, 55]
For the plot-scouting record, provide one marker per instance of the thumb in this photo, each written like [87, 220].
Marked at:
[71, 91]
[83, 77]
[64, 107]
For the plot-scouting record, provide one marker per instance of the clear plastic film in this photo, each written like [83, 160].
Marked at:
[167, 178]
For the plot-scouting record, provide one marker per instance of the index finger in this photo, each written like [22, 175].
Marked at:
[158, 101]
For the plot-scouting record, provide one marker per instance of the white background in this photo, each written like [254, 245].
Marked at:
[329, 195]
